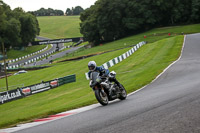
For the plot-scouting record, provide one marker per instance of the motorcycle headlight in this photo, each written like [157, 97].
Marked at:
[98, 80]
[111, 75]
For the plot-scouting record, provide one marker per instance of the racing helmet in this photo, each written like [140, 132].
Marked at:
[92, 65]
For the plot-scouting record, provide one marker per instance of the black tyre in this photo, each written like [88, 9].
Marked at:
[102, 98]
[123, 94]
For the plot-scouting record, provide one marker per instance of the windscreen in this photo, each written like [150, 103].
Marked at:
[94, 76]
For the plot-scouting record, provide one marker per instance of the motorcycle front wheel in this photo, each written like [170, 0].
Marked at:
[123, 94]
[101, 97]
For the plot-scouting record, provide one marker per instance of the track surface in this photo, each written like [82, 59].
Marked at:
[37, 55]
[46, 60]
[171, 104]
[55, 56]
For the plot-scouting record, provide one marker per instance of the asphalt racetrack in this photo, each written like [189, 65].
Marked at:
[171, 104]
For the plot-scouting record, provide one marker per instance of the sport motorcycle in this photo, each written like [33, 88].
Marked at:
[105, 89]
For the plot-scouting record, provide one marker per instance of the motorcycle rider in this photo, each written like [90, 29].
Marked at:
[103, 72]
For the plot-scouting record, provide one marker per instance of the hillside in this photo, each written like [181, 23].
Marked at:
[59, 26]
[150, 36]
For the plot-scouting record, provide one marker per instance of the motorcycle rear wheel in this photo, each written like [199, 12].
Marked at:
[102, 98]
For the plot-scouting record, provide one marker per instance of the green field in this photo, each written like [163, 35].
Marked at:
[59, 26]
[134, 72]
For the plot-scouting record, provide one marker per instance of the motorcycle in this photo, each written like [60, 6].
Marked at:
[105, 90]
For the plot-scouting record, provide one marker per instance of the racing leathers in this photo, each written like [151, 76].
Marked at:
[104, 72]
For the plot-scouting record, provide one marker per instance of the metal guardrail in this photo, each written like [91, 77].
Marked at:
[67, 79]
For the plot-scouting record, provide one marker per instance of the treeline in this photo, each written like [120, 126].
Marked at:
[108, 20]
[17, 28]
[74, 11]
[51, 12]
[48, 12]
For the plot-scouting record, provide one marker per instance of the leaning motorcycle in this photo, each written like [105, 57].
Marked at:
[105, 90]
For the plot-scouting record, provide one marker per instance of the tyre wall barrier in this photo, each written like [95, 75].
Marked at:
[30, 61]
[35, 59]
[26, 56]
[120, 58]
[36, 88]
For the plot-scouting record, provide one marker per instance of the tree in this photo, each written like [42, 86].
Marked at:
[89, 25]
[59, 12]
[74, 11]
[3, 21]
[195, 6]
[68, 11]
[108, 20]
[29, 28]
[9, 27]
[12, 33]
[17, 28]
[41, 12]
[77, 10]
[48, 12]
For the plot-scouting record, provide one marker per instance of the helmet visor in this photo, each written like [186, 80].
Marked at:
[91, 68]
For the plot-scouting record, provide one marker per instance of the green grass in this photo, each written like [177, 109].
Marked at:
[152, 36]
[59, 26]
[134, 72]
[186, 29]
[13, 54]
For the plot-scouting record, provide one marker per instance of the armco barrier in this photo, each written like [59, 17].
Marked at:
[120, 58]
[67, 79]
[36, 88]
